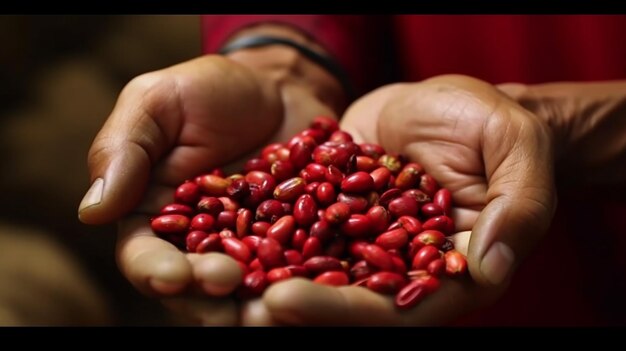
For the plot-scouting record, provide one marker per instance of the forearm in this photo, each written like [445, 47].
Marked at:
[589, 125]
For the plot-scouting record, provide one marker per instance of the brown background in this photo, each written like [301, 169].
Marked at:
[60, 77]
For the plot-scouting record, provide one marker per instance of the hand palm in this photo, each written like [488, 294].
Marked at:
[218, 112]
[472, 144]
[442, 137]
[187, 119]
[192, 120]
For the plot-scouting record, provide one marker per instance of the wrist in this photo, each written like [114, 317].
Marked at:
[588, 121]
[547, 108]
[286, 66]
[278, 31]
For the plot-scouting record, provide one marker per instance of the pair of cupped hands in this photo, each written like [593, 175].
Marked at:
[171, 125]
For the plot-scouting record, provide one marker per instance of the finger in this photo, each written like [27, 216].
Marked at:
[142, 126]
[204, 311]
[463, 218]
[254, 313]
[196, 106]
[520, 196]
[461, 241]
[151, 264]
[217, 274]
[515, 91]
[361, 118]
[302, 302]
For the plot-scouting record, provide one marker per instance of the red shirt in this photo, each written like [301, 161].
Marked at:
[577, 274]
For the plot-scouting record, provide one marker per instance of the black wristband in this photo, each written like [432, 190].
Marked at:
[324, 61]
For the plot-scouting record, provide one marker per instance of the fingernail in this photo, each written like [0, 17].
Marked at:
[497, 263]
[93, 195]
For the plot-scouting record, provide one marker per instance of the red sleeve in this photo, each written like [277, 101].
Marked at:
[354, 41]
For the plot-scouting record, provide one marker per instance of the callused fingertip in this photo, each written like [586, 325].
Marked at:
[92, 197]
[497, 263]
[168, 272]
[289, 294]
[217, 274]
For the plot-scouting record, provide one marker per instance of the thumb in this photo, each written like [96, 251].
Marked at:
[142, 126]
[520, 198]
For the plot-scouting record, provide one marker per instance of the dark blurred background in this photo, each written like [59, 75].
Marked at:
[60, 78]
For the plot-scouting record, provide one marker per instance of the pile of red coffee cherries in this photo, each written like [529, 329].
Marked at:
[322, 207]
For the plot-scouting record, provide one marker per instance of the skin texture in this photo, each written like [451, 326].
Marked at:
[173, 124]
[498, 168]
[588, 124]
[493, 147]
[498, 154]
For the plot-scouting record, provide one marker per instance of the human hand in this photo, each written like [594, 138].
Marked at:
[172, 125]
[496, 159]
